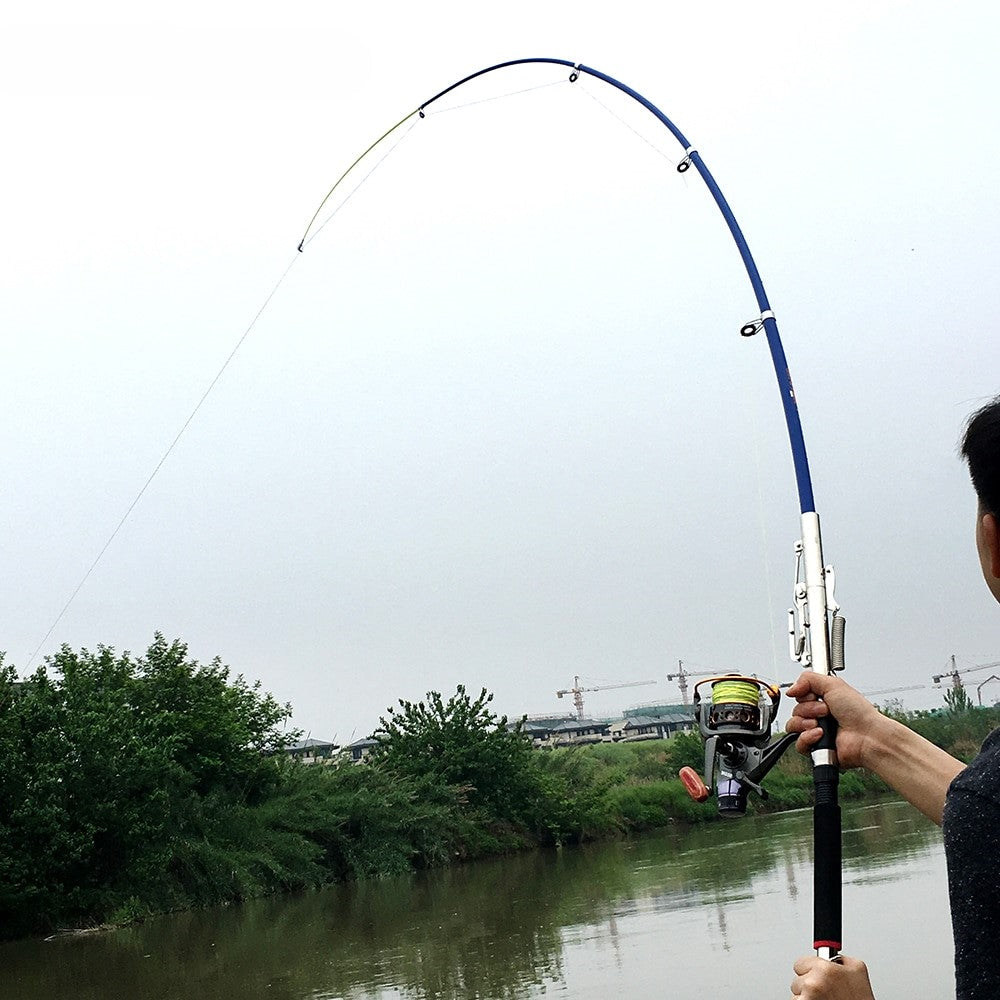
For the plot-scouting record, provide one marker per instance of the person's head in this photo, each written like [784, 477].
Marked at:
[981, 449]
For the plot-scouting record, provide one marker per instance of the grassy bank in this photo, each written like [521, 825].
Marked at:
[134, 786]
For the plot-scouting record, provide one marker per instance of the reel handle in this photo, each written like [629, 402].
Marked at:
[695, 787]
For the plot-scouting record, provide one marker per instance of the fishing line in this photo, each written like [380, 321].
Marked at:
[163, 459]
[309, 236]
[652, 145]
[306, 239]
[762, 522]
[499, 97]
[764, 545]
[229, 359]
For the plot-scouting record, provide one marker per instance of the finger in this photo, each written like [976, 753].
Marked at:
[810, 710]
[808, 740]
[804, 964]
[853, 964]
[797, 724]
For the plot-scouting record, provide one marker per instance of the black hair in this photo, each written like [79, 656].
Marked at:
[981, 449]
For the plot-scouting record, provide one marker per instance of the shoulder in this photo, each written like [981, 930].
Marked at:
[982, 776]
[972, 805]
[972, 844]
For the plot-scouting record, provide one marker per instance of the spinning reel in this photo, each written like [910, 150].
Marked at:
[735, 720]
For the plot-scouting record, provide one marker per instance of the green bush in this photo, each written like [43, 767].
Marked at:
[787, 790]
[684, 750]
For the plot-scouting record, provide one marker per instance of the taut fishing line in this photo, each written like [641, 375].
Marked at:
[311, 234]
[306, 240]
[762, 521]
[218, 375]
[618, 118]
[501, 97]
[159, 465]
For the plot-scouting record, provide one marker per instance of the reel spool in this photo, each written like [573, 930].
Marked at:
[735, 705]
[735, 721]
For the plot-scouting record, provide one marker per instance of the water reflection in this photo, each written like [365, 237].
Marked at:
[572, 921]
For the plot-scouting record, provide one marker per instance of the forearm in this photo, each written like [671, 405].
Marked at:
[913, 766]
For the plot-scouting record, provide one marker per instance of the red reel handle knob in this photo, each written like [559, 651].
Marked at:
[691, 780]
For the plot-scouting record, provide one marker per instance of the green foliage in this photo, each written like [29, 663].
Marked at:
[111, 767]
[461, 744]
[609, 789]
[785, 790]
[655, 804]
[685, 750]
[957, 700]
[960, 733]
[577, 782]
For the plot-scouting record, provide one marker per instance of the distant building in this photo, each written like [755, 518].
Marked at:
[312, 751]
[540, 733]
[360, 749]
[655, 711]
[561, 730]
[579, 731]
[539, 728]
[660, 722]
[646, 727]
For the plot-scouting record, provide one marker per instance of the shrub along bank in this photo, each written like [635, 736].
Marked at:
[138, 785]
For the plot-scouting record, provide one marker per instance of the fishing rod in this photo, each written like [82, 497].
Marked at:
[735, 721]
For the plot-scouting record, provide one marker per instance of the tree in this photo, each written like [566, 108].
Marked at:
[461, 743]
[685, 750]
[957, 700]
[112, 767]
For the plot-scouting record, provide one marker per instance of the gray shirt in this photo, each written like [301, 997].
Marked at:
[972, 846]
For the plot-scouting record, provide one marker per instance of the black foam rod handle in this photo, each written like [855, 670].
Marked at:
[827, 898]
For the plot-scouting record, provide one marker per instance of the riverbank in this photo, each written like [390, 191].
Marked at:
[137, 786]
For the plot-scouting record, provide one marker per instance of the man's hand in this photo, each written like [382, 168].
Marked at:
[917, 769]
[856, 716]
[819, 979]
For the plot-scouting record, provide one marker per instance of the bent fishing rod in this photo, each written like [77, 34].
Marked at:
[736, 715]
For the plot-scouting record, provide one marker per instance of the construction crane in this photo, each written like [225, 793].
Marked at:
[894, 704]
[956, 675]
[909, 687]
[979, 687]
[682, 675]
[577, 692]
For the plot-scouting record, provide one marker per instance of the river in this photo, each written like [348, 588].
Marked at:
[720, 911]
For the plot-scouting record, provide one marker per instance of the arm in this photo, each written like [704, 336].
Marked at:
[918, 770]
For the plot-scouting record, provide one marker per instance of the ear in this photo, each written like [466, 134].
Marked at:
[991, 539]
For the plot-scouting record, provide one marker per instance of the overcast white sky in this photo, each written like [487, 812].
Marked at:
[497, 426]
